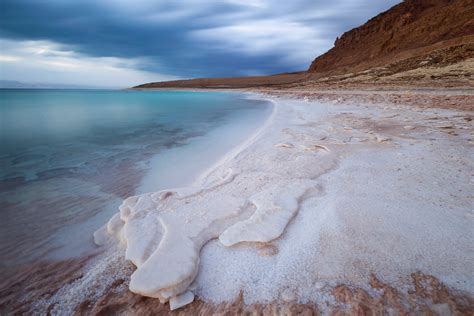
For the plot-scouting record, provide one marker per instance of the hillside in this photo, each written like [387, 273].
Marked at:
[409, 29]
[415, 43]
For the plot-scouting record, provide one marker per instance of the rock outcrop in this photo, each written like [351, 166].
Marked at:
[409, 29]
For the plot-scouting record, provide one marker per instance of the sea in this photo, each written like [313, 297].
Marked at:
[68, 158]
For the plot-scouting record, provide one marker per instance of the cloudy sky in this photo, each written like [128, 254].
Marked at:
[121, 43]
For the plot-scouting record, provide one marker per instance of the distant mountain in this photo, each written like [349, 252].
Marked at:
[13, 84]
[409, 29]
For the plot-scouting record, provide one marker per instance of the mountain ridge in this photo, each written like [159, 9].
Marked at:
[409, 26]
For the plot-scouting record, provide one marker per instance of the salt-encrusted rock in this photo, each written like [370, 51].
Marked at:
[115, 228]
[316, 147]
[381, 138]
[101, 237]
[267, 250]
[181, 300]
[445, 126]
[284, 145]
[288, 295]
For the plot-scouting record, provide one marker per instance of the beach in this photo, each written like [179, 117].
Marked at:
[237, 158]
[341, 202]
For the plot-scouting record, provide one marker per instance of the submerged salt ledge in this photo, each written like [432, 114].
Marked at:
[345, 203]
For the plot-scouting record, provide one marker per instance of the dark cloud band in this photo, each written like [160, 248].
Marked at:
[162, 33]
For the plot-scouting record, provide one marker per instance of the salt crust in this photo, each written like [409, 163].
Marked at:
[163, 232]
[255, 191]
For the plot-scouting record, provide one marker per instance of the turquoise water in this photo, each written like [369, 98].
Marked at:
[69, 157]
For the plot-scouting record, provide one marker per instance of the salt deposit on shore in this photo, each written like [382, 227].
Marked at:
[361, 194]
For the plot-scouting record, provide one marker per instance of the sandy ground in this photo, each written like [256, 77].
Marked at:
[387, 227]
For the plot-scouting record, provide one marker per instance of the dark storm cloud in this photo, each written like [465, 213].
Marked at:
[191, 38]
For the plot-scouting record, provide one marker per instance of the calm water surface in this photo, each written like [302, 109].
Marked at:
[69, 157]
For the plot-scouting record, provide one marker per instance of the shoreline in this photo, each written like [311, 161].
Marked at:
[267, 249]
[93, 186]
[250, 131]
[238, 148]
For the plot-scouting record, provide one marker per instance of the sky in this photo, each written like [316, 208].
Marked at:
[121, 43]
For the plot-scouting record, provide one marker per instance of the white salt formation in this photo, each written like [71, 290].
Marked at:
[329, 193]
[181, 300]
[274, 208]
[163, 232]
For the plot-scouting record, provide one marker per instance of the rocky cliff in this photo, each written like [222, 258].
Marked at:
[409, 29]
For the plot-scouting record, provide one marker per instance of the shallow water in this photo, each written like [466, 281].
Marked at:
[69, 157]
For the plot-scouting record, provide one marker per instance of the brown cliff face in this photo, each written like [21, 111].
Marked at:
[409, 29]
